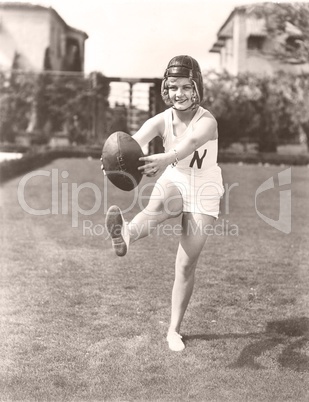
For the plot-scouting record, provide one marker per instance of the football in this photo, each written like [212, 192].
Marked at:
[120, 157]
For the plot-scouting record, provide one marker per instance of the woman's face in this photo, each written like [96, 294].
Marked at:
[181, 92]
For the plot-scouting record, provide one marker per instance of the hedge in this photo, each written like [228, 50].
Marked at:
[34, 160]
[271, 158]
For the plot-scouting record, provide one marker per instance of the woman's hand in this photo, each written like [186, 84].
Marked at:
[155, 164]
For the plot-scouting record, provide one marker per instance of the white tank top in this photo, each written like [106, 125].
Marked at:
[204, 158]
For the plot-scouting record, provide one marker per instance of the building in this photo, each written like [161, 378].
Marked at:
[36, 38]
[244, 43]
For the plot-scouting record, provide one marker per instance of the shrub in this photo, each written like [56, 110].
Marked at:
[262, 109]
[51, 102]
[34, 160]
[271, 158]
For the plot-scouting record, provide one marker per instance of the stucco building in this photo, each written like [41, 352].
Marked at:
[34, 37]
[244, 44]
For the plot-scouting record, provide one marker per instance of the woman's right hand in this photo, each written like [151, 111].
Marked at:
[155, 164]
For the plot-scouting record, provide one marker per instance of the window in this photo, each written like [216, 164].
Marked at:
[255, 42]
[292, 43]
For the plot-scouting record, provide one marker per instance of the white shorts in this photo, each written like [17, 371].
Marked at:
[200, 194]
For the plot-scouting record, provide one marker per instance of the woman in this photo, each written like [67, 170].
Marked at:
[189, 181]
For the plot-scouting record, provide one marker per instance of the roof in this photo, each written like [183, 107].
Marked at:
[37, 7]
[292, 30]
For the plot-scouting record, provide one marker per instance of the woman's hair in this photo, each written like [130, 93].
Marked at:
[185, 67]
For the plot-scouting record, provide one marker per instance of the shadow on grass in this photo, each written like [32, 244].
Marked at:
[277, 333]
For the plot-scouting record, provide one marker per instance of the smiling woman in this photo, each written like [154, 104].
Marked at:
[189, 181]
[181, 93]
[182, 83]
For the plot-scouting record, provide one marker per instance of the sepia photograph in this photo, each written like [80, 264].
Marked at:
[154, 187]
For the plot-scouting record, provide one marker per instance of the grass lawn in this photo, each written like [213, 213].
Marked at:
[80, 324]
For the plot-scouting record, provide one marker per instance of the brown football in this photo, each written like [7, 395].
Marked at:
[120, 157]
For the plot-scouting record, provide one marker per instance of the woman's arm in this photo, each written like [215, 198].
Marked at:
[205, 130]
[152, 128]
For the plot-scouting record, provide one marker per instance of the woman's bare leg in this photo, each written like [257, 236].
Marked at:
[165, 202]
[194, 235]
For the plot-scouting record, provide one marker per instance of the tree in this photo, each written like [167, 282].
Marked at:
[300, 107]
[16, 95]
[288, 25]
[51, 102]
[266, 110]
[63, 98]
[233, 100]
